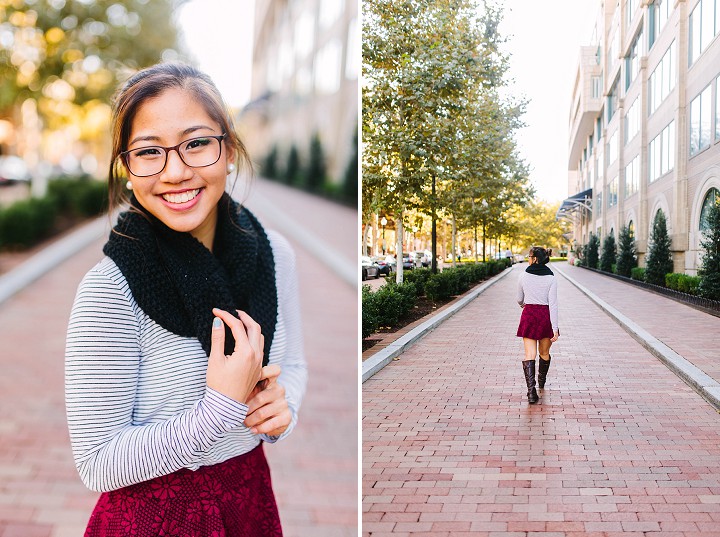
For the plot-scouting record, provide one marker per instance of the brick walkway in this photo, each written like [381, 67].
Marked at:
[314, 470]
[617, 446]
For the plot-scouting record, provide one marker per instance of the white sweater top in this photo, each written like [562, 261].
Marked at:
[534, 289]
[138, 406]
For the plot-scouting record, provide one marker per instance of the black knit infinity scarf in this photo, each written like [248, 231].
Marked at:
[177, 281]
[539, 270]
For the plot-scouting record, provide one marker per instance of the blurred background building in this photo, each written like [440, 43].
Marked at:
[303, 114]
[645, 124]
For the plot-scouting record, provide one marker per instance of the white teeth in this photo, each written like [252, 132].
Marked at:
[182, 197]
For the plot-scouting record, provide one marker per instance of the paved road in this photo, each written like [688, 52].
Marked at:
[618, 445]
[314, 471]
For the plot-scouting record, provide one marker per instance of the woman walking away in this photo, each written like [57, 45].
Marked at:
[184, 347]
[537, 296]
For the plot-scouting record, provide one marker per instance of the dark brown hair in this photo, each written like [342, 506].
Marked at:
[541, 254]
[150, 83]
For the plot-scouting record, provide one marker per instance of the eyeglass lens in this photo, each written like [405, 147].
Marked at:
[196, 153]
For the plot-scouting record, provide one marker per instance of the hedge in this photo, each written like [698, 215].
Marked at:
[391, 302]
[682, 282]
[26, 222]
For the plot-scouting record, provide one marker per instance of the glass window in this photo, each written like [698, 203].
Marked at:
[713, 196]
[662, 79]
[702, 27]
[700, 121]
[659, 11]
[598, 203]
[612, 148]
[630, 8]
[632, 121]
[328, 64]
[717, 107]
[612, 193]
[632, 177]
[632, 61]
[352, 54]
[596, 87]
[612, 100]
[600, 172]
[661, 158]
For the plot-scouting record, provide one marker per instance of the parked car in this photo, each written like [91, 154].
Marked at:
[369, 268]
[408, 261]
[387, 264]
[13, 169]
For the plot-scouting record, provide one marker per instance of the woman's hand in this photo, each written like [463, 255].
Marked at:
[556, 335]
[269, 412]
[237, 375]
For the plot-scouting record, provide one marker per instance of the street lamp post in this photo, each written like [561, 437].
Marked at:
[383, 222]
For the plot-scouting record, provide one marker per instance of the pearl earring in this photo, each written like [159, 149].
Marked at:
[230, 168]
[128, 185]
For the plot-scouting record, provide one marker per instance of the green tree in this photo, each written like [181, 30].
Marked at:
[659, 258]
[609, 253]
[627, 255]
[591, 255]
[270, 164]
[316, 173]
[436, 135]
[350, 181]
[536, 225]
[709, 272]
[293, 169]
[75, 52]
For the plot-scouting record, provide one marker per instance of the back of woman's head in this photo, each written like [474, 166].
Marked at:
[541, 254]
[151, 82]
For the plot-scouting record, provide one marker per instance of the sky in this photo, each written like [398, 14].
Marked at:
[544, 39]
[219, 36]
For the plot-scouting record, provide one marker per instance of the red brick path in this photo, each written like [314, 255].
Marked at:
[617, 446]
[314, 471]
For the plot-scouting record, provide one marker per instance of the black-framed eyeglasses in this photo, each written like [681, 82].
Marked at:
[196, 152]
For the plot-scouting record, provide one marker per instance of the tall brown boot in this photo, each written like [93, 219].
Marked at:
[529, 369]
[543, 367]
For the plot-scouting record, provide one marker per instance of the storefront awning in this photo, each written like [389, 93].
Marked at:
[576, 202]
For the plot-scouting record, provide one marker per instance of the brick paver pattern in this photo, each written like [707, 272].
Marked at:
[314, 471]
[618, 444]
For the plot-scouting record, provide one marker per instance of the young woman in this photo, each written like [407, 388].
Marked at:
[537, 296]
[184, 348]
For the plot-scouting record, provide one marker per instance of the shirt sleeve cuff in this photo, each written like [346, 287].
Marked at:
[224, 410]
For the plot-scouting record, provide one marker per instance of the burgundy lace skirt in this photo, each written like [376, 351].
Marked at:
[230, 499]
[535, 322]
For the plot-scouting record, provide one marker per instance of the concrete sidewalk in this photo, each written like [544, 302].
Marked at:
[618, 445]
[314, 471]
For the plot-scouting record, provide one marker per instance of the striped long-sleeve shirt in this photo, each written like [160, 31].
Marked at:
[138, 406]
[534, 289]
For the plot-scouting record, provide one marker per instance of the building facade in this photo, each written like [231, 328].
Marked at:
[645, 124]
[304, 81]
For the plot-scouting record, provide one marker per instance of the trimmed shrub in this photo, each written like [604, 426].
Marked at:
[627, 256]
[269, 167]
[609, 254]
[349, 193]
[637, 273]
[671, 280]
[370, 319]
[709, 272]
[418, 276]
[293, 171]
[25, 222]
[442, 285]
[591, 256]
[659, 259]
[316, 173]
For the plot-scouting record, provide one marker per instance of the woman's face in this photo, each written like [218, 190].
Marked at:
[183, 198]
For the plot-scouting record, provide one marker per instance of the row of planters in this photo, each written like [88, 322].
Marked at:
[26, 222]
[658, 270]
[387, 306]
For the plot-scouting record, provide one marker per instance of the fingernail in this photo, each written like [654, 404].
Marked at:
[217, 322]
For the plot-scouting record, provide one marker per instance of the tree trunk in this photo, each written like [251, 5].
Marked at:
[454, 242]
[483, 241]
[399, 247]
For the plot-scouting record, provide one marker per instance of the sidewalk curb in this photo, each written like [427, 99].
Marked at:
[345, 268]
[50, 257]
[697, 379]
[382, 358]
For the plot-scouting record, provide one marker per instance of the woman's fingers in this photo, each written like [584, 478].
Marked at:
[237, 328]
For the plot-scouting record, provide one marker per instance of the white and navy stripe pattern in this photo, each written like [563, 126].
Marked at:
[137, 403]
[535, 289]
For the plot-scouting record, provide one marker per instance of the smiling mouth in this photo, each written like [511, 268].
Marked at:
[181, 197]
